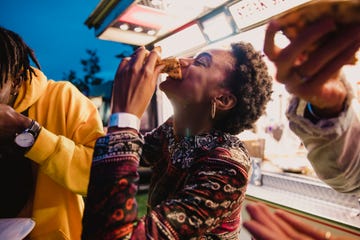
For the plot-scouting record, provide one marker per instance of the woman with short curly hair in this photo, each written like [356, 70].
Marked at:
[200, 167]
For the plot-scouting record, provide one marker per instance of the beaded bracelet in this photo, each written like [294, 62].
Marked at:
[311, 111]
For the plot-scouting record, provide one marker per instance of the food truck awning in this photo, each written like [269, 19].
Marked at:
[144, 22]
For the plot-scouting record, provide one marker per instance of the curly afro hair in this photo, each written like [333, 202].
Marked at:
[251, 83]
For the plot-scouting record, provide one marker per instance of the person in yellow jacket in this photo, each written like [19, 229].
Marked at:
[47, 133]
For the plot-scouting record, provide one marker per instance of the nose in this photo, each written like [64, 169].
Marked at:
[185, 62]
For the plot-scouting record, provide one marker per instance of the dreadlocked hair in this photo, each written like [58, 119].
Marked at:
[15, 56]
[251, 83]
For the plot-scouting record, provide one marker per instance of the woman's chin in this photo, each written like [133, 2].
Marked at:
[166, 85]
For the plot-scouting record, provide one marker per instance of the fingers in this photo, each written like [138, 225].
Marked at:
[313, 76]
[142, 61]
[332, 67]
[289, 54]
[122, 65]
[301, 226]
[145, 60]
[135, 82]
[153, 57]
[324, 89]
[305, 40]
[260, 226]
[341, 48]
[258, 231]
[128, 62]
[266, 224]
[294, 54]
[270, 48]
[261, 213]
[138, 58]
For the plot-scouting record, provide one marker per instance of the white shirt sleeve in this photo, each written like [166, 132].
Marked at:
[333, 144]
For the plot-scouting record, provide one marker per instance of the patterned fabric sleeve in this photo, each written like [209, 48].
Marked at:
[111, 208]
[213, 192]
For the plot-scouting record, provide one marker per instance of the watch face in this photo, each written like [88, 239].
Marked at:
[24, 139]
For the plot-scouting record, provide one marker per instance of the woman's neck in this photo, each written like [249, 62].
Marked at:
[189, 123]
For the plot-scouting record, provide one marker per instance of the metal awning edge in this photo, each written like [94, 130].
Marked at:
[105, 12]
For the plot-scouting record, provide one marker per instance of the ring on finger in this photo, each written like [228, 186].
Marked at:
[303, 77]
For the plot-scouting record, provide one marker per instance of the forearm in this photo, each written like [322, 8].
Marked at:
[111, 208]
[64, 160]
[332, 146]
[71, 124]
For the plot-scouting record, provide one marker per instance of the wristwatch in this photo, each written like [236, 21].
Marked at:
[27, 138]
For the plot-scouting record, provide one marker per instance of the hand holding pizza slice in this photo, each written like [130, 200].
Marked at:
[344, 13]
[324, 36]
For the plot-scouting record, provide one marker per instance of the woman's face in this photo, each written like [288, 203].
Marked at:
[202, 77]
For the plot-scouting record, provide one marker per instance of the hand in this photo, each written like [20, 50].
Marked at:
[266, 225]
[135, 82]
[314, 77]
[11, 122]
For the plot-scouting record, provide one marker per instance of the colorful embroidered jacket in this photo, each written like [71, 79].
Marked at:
[196, 192]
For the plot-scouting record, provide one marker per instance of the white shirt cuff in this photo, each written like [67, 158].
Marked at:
[124, 120]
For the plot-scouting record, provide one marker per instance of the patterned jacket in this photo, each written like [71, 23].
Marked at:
[196, 192]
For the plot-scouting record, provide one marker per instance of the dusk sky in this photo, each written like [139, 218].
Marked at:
[55, 30]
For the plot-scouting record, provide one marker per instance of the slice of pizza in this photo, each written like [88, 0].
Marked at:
[172, 67]
[343, 12]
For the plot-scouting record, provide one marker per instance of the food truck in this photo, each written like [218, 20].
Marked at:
[282, 176]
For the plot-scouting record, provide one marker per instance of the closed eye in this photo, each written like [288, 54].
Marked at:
[199, 62]
[203, 59]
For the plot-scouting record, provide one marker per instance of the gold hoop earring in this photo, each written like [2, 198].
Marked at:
[213, 109]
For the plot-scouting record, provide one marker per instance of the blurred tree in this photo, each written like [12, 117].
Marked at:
[78, 82]
[90, 68]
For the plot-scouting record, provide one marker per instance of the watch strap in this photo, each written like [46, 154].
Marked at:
[34, 128]
[124, 120]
